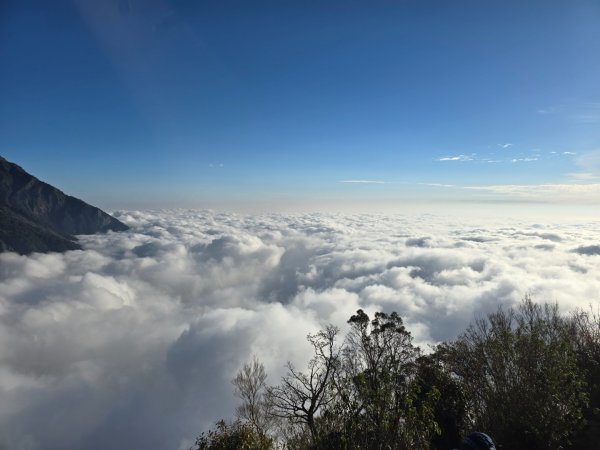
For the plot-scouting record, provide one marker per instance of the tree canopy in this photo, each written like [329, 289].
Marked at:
[527, 376]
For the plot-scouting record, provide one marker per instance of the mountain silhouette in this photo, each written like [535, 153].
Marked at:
[37, 217]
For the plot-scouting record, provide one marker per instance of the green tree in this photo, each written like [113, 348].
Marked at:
[234, 436]
[379, 403]
[518, 368]
[586, 326]
[450, 411]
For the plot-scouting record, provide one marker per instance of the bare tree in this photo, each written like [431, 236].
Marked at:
[301, 396]
[251, 389]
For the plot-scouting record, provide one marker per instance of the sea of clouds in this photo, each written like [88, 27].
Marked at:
[132, 342]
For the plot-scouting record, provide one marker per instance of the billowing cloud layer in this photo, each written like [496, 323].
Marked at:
[132, 342]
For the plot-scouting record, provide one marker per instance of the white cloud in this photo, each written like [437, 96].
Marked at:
[588, 164]
[589, 161]
[588, 113]
[528, 159]
[131, 343]
[437, 185]
[456, 158]
[582, 176]
[583, 112]
[505, 145]
[364, 181]
[576, 193]
[549, 110]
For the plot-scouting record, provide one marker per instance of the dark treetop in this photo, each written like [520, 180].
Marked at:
[36, 217]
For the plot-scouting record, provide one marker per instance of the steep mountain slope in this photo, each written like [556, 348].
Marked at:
[36, 217]
[21, 235]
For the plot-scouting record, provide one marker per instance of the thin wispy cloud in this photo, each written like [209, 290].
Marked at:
[549, 110]
[589, 113]
[364, 182]
[583, 113]
[588, 164]
[437, 185]
[550, 193]
[529, 159]
[456, 158]
[582, 176]
[505, 145]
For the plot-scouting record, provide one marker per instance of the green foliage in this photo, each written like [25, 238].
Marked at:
[527, 376]
[586, 326]
[450, 410]
[519, 372]
[235, 436]
[377, 402]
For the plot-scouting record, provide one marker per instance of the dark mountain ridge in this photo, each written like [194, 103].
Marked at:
[37, 217]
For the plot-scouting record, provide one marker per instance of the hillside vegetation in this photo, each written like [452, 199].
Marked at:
[527, 376]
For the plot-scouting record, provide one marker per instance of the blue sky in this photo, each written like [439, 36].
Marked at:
[141, 103]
